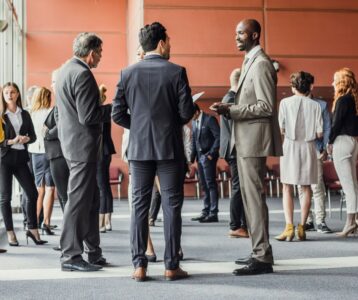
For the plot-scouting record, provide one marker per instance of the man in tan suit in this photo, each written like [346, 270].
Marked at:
[256, 135]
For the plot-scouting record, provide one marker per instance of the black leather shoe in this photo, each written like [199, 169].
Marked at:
[254, 267]
[243, 260]
[210, 219]
[199, 218]
[80, 266]
[100, 262]
[151, 258]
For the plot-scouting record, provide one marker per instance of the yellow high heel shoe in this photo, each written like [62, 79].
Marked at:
[301, 232]
[288, 234]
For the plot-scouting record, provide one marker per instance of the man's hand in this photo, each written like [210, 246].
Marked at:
[329, 149]
[209, 157]
[323, 156]
[221, 108]
[23, 139]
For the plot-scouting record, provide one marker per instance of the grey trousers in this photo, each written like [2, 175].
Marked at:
[80, 220]
[171, 178]
[252, 173]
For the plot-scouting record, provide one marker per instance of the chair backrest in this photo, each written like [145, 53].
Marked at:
[329, 172]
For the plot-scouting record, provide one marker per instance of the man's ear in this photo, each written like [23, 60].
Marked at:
[255, 36]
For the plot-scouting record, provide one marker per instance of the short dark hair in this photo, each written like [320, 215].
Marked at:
[151, 35]
[302, 81]
[196, 107]
[254, 26]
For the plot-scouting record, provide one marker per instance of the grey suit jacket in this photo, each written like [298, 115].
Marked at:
[255, 117]
[158, 97]
[225, 128]
[80, 116]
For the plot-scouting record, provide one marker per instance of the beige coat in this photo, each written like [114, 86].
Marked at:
[256, 129]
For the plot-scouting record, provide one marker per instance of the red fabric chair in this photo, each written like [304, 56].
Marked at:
[115, 178]
[332, 183]
[192, 178]
[223, 175]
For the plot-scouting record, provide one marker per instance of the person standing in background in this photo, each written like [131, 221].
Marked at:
[41, 106]
[103, 178]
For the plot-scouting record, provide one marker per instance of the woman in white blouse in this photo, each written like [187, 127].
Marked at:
[41, 106]
[300, 120]
[19, 132]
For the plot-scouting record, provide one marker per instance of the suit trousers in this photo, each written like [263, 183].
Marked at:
[16, 165]
[345, 152]
[318, 195]
[237, 213]
[207, 177]
[81, 216]
[24, 197]
[171, 178]
[252, 173]
[103, 181]
[60, 174]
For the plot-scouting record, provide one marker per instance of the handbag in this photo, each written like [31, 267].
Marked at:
[2, 133]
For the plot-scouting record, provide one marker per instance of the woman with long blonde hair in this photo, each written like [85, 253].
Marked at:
[41, 107]
[343, 142]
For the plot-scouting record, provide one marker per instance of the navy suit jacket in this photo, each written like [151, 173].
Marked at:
[207, 139]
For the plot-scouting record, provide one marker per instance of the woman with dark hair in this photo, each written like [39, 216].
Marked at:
[19, 132]
[300, 120]
[343, 142]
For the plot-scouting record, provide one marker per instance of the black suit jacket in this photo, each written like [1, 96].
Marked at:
[158, 97]
[226, 127]
[207, 139]
[27, 128]
[80, 116]
[51, 141]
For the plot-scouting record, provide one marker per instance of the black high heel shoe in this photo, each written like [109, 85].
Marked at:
[13, 243]
[31, 236]
[47, 229]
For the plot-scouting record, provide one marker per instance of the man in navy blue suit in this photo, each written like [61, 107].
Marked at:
[205, 150]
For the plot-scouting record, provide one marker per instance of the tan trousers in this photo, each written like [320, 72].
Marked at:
[251, 173]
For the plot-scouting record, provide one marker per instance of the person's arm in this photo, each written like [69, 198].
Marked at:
[319, 122]
[326, 126]
[187, 142]
[338, 116]
[185, 101]
[282, 118]
[265, 91]
[89, 111]
[51, 133]
[215, 131]
[193, 153]
[120, 113]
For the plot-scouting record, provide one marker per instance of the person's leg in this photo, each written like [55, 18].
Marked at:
[171, 177]
[6, 173]
[142, 178]
[108, 193]
[100, 177]
[306, 203]
[48, 204]
[78, 218]
[60, 174]
[155, 204]
[206, 201]
[237, 214]
[344, 158]
[209, 168]
[252, 172]
[287, 201]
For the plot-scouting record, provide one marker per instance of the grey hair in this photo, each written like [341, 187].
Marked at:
[84, 43]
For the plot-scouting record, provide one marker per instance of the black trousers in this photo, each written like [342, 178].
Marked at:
[171, 178]
[80, 220]
[207, 177]
[60, 174]
[237, 213]
[103, 181]
[15, 164]
[155, 204]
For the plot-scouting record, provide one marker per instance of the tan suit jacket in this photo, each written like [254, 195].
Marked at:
[256, 129]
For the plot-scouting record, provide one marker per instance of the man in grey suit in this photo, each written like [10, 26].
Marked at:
[158, 97]
[256, 135]
[80, 117]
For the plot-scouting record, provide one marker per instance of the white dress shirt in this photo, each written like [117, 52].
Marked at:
[16, 122]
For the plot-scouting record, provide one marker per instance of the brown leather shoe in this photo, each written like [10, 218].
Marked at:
[175, 274]
[140, 274]
[239, 233]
